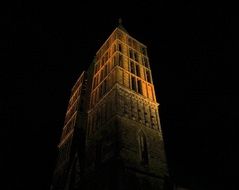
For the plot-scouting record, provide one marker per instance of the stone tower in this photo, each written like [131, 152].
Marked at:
[117, 143]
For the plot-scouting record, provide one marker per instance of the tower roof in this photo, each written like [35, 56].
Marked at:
[120, 26]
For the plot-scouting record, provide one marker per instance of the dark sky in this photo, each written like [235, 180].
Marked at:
[192, 47]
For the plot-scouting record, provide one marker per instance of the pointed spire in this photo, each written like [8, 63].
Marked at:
[121, 26]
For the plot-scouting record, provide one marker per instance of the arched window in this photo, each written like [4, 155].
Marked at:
[143, 149]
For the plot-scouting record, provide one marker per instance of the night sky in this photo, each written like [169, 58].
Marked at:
[191, 47]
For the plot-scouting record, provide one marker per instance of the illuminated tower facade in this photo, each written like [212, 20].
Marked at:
[122, 145]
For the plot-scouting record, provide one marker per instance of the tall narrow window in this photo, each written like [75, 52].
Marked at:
[120, 60]
[102, 61]
[136, 57]
[133, 83]
[131, 54]
[101, 75]
[139, 86]
[148, 76]
[143, 149]
[114, 61]
[120, 47]
[146, 64]
[117, 59]
[105, 70]
[106, 56]
[132, 70]
[114, 48]
[137, 70]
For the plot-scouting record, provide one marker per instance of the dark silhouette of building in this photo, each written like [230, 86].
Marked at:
[112, 137]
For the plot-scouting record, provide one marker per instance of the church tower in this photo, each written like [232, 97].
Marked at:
[121, 140]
